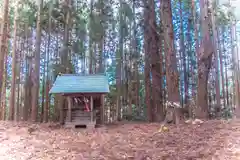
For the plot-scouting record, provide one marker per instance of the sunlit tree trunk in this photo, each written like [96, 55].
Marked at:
[119, 65]
[195, 23]
[235, 56]
[205, 53]
[47, 100]
[148, 97]
[14, 67]
[225, 67]
[43, 85]
[156, 71]
[172, 75]
[221, 70]
[182, 51]
[5, 79]
[3, 40]
[90, 56]
[135, 62]
[216, 54]
[36, 65]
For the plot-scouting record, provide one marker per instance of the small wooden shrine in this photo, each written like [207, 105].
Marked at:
[84, 98]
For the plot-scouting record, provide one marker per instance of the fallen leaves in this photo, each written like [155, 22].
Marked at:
[211, 139]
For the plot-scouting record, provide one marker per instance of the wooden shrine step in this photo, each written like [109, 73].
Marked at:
[74, 124]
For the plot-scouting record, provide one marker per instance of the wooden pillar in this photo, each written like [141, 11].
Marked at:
[60, 107]
[69, 100]
[102, 117]
[91, 105]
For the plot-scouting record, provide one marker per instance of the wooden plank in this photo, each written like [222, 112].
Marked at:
[102, 118]
[69, 99]
[74, 108]
[91, 104]
[82, 94]
[80, 123]
[60, 105]
[82, 114]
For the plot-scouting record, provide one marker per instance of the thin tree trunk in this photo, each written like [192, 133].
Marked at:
[217, 74]
[135, 63]
[4, 87]
[14, 67]
[47, 100]
[5, 78]
[236, 69]
[43, 85]
[90, 39]
[221, 70]
[182, 51]
[196, 39]
[119, 66]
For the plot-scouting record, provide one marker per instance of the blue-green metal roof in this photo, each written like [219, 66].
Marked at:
[73, 83]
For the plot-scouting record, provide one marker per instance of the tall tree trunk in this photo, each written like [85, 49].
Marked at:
[235, 56]
[205, 53]
[216, 47]
[43, 85]
[3, 40]
[18, 78]
[135, 63]
[119, 65]
[14, 71]
[36, 66]
[221, 70]
[195, 22]
[129, 66]
[148, 98]
[90, 56]
[225, 67]
[5, 78]
[47, 100]
[155, 65]
[64, 56]
[101, 41]
[172, 75]
[4, 88]
[27, 84]
[182, 52]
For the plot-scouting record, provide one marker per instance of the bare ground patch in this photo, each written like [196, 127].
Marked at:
[211, 140]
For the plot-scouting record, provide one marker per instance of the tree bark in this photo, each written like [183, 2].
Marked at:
[14, 67]
[172, 75]
[205, 53]
[3, 40]
[216, 54]
[156, 71]
[182, 52]
[148, 97]
[47, 100]
[36, 66]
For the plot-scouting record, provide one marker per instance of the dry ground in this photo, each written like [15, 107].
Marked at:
[212, 140]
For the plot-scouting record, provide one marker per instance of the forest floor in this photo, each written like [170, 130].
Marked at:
[211, 140]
